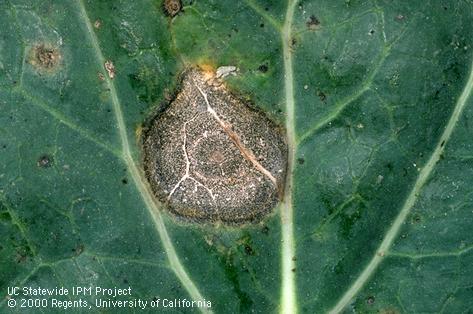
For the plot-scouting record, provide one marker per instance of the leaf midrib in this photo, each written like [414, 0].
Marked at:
[288, 285]
[136, 174]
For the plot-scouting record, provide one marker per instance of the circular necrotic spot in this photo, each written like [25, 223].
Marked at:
[45, 161]
[370, 300]
[45, 57]
[172, 7]
[313, 23]
[263, 68]
[211, 158]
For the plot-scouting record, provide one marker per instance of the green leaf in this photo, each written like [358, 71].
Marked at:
[376, 100]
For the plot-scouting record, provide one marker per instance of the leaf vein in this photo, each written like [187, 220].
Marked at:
[365, 86]
[424, 174]
[256, 8]
[39, 103]
[138, 179]
[288, 286]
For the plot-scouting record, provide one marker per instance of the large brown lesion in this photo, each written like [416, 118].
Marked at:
[207, 155]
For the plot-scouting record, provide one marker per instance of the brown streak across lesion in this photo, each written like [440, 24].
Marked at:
[235, 138]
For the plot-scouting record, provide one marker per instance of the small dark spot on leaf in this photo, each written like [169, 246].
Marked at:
[261, 25]
[124, 181]
[293, 270]
[300, 161]
[442, 144]
[265, 230]
[312, 23]
[4, 146]
[322, 96]
[293, 42]
[45, 161]
[294, 258]
[249, 250]
[370, 300]
[263, 68]
[125, 281]
[172, 7]
[266, 9]
[371, 31]
[338, 269]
